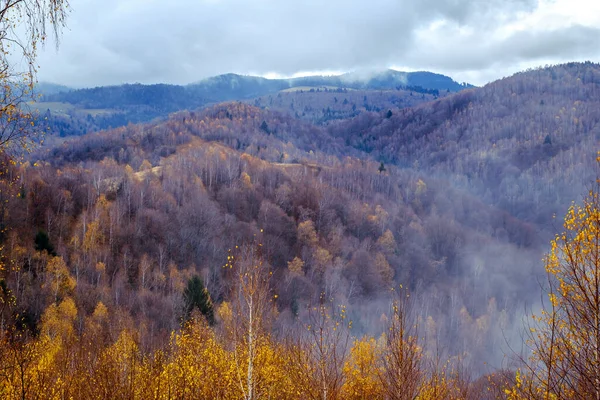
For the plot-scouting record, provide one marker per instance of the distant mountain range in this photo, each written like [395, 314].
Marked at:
[234, 86]
[238, 87]
[78, 111]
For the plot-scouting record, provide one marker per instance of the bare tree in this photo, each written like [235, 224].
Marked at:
[318, 350]
[24, 28]
[402, 370]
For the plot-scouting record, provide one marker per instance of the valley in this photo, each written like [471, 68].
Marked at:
[342, 193]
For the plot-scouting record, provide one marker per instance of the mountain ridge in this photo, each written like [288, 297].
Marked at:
[379, 80]
[80, 111]
[508, 138]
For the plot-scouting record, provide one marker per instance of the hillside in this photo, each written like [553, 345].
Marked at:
[452, 198]
[321, 105]
[158, 203]
[526, 143]
[312, 225]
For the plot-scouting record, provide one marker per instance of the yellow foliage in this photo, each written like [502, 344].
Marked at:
[100, 312]
[383, 268]
[225, 313]
[200, 367]
[246, 180]
[61, 281]
[565, 337]
[93, 236]
[100, 267]
[322, 258]
[387, 242]
[116, 369]
[296, 266]
[307, 233]
[361, 371]
[58, 320]
[145, 166]
[421, 187]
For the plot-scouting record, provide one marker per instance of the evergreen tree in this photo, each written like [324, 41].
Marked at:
[196, 296]
[42, 242]
[265, 127]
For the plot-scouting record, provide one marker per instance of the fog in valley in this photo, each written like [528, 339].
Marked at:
[230, 206]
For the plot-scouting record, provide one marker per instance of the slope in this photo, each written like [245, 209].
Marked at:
[321, 105]
[526, 143]
[135, 212]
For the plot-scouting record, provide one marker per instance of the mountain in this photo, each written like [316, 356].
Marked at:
[526, 143]
[235, 87]
[80, 111]
[172, 197]
[452, 198]
[228, 87]
[385, 80]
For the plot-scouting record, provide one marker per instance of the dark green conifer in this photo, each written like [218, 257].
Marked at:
[196, 296]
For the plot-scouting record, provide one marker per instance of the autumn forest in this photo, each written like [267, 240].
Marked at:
[401, 237]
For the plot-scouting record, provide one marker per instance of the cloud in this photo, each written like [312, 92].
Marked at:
[472, 52]
[181, 41]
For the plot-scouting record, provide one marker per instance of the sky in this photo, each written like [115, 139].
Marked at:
[182, 41]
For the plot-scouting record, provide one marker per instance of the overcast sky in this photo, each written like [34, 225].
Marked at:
[182, 41]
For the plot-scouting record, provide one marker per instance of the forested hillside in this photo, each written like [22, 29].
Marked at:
[321, 105]
[526, 143]
[174, 197]
[412, 234]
